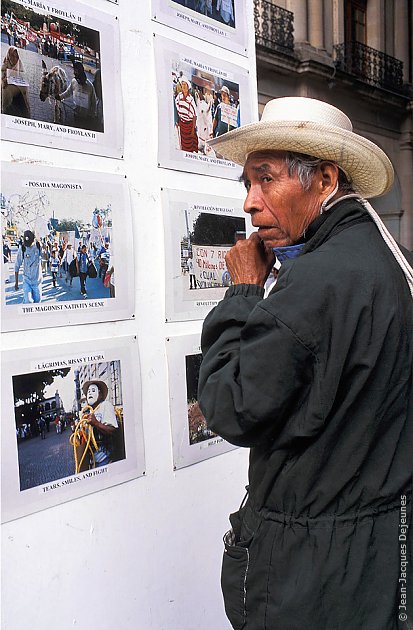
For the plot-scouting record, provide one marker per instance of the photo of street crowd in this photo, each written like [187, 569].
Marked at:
[57, 245]
[51, 69]
[192, 441]
[61, 230]
[68, 420]
[223, 11]
[205, 107]
[199, 98]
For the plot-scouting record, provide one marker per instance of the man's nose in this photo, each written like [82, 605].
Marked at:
[253, 201]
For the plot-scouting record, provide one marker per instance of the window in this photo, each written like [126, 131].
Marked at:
[355, 12]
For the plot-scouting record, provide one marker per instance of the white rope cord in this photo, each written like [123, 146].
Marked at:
[388, 239]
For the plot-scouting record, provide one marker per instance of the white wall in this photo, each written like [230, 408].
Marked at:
[144, 555]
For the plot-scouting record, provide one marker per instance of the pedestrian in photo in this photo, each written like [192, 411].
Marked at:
[203, 122]
[111, 273]
[42, 428]
[186, 110]
[225, 114]
[225, 9]
[84, 97]
[6, 257]
[54, 267]
[315, 379]
[14, 96]
[58, 424]
[67, 259]
[101, 416]
[61, 251]
[29, 256]
[82, 264]
[104, 257]
[45, 257]
[191, 271]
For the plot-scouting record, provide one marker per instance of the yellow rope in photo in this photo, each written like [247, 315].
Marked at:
[83, 434]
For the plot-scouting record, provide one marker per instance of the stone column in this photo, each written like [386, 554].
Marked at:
[401, 35]
[299, 8]
[375, 24]
[316, 23]
[405, 168]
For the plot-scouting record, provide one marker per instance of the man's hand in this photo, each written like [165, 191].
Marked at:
[248, 262]
[90, 419]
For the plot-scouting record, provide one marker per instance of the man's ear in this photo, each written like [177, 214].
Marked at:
[329, 177]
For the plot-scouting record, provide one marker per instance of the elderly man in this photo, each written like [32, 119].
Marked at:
[316, 379]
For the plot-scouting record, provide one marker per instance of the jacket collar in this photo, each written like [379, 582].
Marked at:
[344, 214]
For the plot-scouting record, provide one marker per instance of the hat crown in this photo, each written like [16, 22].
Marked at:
[303, 109]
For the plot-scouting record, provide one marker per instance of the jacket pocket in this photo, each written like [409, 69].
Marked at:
[235, 565]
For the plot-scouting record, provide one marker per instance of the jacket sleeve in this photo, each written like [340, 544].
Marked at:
[257, 376]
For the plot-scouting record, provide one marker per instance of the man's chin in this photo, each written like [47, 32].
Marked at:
[272, 243]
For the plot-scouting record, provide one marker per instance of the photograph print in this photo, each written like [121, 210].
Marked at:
[192, 441]
[53, 73]
[199, 231]
[221, 22]
[61, 233]
[200, 98]
[68, 420]
[71, 422]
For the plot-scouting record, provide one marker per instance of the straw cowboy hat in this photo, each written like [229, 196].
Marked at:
[306, 125]
[103, 388]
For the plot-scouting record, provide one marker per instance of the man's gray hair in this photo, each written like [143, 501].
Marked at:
[305, 166]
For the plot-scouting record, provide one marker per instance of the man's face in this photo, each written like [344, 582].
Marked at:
[277, 203]
[92, 394]
[14, 56]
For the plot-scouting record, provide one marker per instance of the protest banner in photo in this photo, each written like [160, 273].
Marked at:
[192, 441]
[199, 231]
[71, 422]
[220, 22]
[81, 226]
[199, 98]
[60, 76]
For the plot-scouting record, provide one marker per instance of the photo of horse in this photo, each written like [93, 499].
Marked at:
[51, 69]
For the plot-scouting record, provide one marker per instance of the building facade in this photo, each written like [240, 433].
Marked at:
[50, 407]
[358, 56]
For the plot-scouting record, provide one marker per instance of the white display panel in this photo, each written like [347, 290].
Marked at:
[182, 143]
[221, 22]
[40, 466]
[86, 116]
[61, 207]
[192, 441]
[199, 231]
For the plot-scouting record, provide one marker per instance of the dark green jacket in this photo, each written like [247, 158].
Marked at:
[317, 380]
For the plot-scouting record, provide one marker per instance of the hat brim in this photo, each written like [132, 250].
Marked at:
[365, 164]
